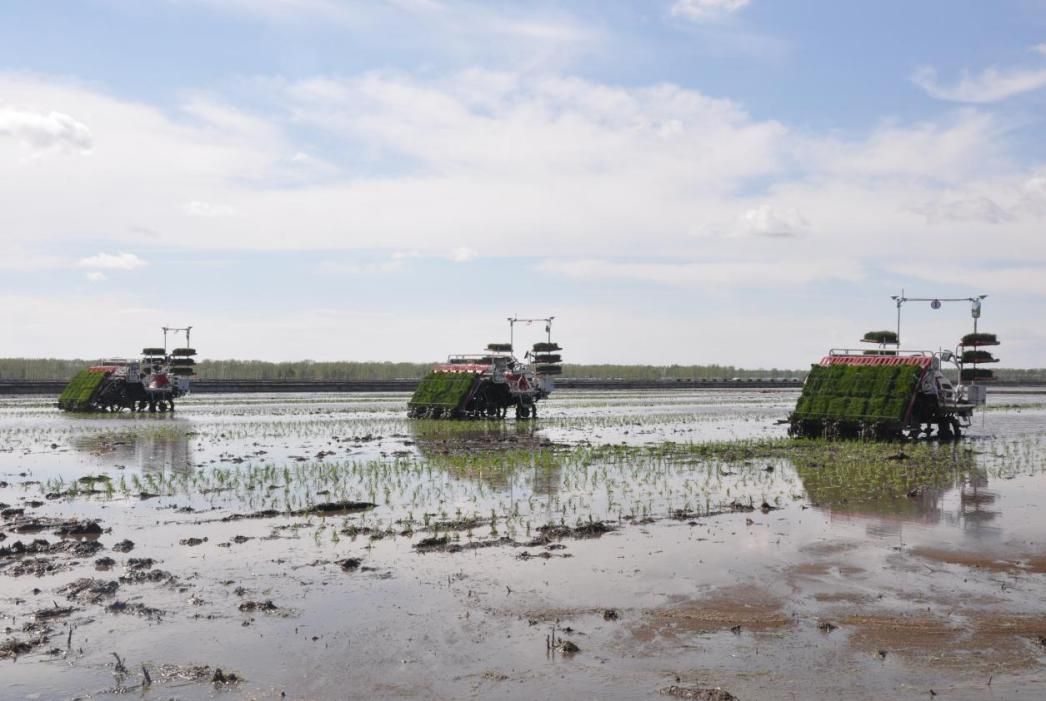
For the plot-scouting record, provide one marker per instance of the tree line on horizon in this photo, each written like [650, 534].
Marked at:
[56, 369]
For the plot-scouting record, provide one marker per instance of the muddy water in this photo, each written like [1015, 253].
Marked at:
[870, 573]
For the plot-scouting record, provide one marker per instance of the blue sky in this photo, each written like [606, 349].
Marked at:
[689, 181]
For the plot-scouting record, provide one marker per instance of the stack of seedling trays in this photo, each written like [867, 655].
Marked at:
[499, 347]
[547, 360]
[972, 356]
[81, 390]
[154, 356]
[882, 339]
[855, 393]
[442, 393]
[182, 362]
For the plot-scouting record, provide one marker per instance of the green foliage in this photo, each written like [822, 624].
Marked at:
[444, 389]
[858, 392]
[81, 389]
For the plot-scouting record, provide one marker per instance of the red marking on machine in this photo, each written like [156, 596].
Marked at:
[920, 360]
[462, 367]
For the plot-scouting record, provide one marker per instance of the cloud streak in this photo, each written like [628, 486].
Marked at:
[702, 11]
[113, 261]
[990, 85]
[710, 275]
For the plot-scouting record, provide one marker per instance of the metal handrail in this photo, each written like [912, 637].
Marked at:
[890, 352]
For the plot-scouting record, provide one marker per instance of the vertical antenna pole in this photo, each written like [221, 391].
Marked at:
[900, 301]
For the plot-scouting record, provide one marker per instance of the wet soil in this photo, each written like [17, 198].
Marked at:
[299, 547]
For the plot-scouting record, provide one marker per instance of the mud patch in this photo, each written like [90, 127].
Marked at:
[700, 694]
[92, 591]
[738, 609]
[901, 633]
[1032, 563]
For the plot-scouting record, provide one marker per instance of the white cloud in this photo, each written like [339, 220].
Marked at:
[1040, 49]
[706, 10]
[39, 131]
[773, 223]
[20, 257]
[1016, 279]
[964, 208]
[196, 208]
[419, 5]
[990, 85]
[463, 254]
[717, 275]
[95, 276]
[960, 146]
[394, 264]
[113, 261]
[281, 10]
[482, 160]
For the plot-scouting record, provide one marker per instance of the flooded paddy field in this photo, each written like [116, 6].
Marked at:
[624, 545]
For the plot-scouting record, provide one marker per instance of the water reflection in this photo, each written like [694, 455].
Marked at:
[502, 454]
[150, 448]
[949, 489]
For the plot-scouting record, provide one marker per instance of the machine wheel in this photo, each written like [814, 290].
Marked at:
[522, 411]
